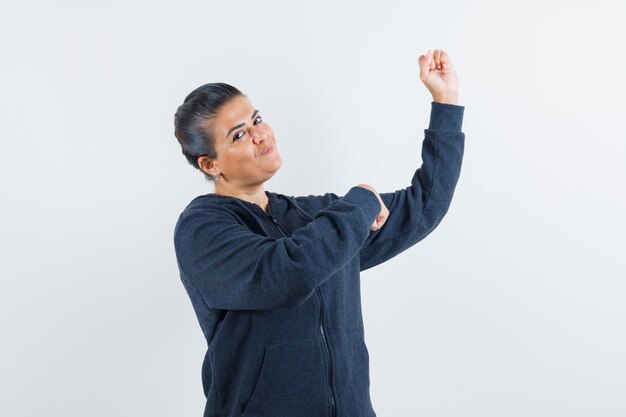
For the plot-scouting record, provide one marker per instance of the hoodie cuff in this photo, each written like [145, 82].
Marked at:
[446, 117]
[366, 200]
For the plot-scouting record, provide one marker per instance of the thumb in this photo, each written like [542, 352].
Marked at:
[424, 64]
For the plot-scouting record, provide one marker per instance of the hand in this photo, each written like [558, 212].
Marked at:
[439, 76]
[384, 212]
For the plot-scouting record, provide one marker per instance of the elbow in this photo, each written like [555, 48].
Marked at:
[295, 300]
[303, 285]
[428, 222]
[285, 289]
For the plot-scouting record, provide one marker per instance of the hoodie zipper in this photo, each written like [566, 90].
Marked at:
[330, 363]
[324, 337]
[277, 225]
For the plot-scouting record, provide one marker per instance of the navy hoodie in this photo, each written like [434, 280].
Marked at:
[278, 295]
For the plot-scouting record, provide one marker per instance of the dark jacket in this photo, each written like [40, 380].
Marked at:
[278, 295]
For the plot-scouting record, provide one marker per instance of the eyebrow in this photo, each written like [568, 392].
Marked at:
[241, 124]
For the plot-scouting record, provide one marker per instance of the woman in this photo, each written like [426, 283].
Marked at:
[274, 279]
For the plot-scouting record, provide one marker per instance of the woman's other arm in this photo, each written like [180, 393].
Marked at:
[233, 268]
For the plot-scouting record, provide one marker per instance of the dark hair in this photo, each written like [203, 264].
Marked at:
[192, 125]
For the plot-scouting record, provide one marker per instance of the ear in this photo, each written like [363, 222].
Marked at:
[208, 166]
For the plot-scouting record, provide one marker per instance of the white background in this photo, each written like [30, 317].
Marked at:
[514, 306]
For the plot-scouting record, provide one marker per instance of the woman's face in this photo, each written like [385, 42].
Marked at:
[241, 137]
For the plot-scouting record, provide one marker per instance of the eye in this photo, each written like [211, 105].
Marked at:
[238, 136]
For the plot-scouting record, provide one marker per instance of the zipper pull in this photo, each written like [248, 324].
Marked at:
[277, 225]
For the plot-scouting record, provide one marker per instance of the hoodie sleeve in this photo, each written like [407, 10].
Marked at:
[416, 210]
[233, 268]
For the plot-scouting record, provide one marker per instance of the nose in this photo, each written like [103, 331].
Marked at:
[258, 137]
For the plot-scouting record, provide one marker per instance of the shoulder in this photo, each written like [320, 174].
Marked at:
[212, 212]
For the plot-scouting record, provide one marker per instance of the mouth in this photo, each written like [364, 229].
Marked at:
[267, 150]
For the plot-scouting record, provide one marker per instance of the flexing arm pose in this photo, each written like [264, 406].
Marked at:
[439, 76]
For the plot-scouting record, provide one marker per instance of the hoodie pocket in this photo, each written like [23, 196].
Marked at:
[293, 382]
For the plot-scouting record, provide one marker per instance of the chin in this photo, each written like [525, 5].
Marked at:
[276, 167]
[278, 161]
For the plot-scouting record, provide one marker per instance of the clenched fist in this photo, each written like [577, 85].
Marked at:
[439, 76]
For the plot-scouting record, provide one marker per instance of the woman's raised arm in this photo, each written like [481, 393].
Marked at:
[415, 211]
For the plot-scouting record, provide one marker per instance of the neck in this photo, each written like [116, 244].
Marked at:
[253, 194]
